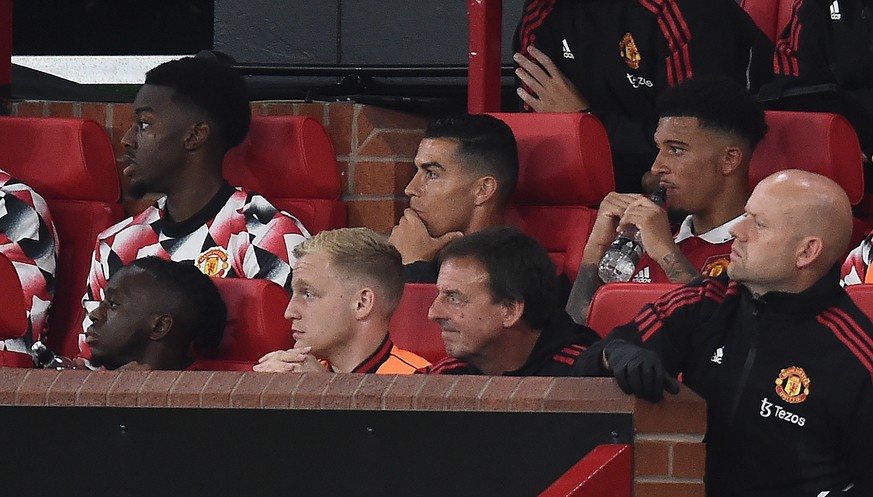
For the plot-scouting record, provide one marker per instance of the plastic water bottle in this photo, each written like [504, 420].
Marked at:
[47, 359]
[623, 255]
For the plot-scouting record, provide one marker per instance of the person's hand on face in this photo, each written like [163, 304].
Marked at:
[414, 243]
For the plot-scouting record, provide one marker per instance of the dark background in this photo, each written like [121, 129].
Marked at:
[401, 53]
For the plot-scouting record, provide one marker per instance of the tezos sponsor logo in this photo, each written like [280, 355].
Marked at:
[769, 409]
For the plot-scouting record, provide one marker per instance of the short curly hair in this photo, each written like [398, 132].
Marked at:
[198, 302]
[211, 86]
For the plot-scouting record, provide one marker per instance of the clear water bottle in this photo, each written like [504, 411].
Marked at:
[46, 359]
[623, 255]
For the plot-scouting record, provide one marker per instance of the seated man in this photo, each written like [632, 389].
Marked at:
[188, 114]
[467, 167]
[776, 347]
[613, 58]
[498, 310]
[824, 63]
[346, 284]
[707, 132]
[154, 314]
[29, 240]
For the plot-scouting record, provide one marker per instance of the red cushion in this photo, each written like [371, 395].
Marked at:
[616, 304]
[13, 313]
[565, 171]
[290, 160]
[813, 141]
[862, 295]
[70, 162]
[564, 159]
[255, 319]
[410, 329]
[60, 158]
[765, 13]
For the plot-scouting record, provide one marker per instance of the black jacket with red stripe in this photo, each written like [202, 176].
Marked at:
[621, 54]
[557, 352]
[824, 62]
[788, 381]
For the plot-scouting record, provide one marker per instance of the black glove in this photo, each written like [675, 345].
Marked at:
[639, 371]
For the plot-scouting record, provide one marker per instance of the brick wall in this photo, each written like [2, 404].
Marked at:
[668, 453]
[374, 148]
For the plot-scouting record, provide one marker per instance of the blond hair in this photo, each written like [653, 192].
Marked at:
[360, 253]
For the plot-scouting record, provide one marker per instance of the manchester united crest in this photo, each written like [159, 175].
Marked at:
[629, 51]
[715, 266]
[792, 385]
[213, 262]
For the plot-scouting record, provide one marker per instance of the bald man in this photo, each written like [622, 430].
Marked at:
[777, 349]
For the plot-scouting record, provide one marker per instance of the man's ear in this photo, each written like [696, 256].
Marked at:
[365, 303]
[809, 250]
[512, 312]
[731, 159]
[485, 189]
[161, 326]
[198, 133]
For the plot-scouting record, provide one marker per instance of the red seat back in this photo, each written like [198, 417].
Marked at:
[862, 295]
[819, 142]
[813, 141]
[410, 329]
[616, 304]
[13, 314]
[565, 171]
[70, 162]
[771, 16]
[255, 320]
[290, 161]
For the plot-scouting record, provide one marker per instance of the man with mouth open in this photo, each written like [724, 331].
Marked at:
[706, 134]
[155, 312]
[347, 283]
[188, 114]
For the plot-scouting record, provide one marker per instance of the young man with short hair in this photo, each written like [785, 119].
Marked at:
[467, 167]
[188, 114]
[154, 315]
[706, 134]
[346, 284]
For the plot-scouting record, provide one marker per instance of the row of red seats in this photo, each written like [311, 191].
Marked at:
[565, 172]
[71, 163]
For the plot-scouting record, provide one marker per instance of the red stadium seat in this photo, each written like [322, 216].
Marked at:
[862, 295]
[565, 171]
[814, 141]
[617, 303]
[255, 324]
[290, 161]
[410, 328]
[819, 142]
[771, 16]
[13, 315]
[70, 162]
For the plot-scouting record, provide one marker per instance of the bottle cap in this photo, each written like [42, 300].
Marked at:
[659, 196]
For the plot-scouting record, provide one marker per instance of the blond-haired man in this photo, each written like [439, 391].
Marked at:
[346, 284]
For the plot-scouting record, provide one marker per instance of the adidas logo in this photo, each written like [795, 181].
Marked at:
[718, 355]
[567, 53]
[835, 11]
[643, 276]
